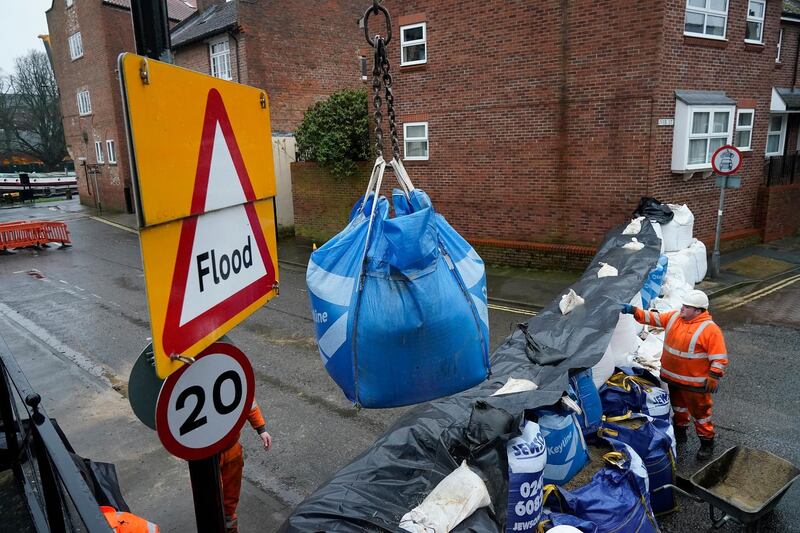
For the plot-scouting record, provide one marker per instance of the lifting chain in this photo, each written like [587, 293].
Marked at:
[382, 78]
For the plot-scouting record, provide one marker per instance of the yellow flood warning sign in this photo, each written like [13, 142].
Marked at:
[205, 193]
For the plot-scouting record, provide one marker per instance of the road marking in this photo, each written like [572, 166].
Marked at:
[118, 226]
[761, 293]
[62, 281]
[516, 310]
[57, 346]
[80, 289]
[96, 296]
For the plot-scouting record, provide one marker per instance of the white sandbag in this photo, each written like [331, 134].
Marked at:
[515, 385]
[685, 261]
[607, 271]
[677, 233]
[634, 227]
[649, 353]
[659, 233]
[671, 302]
[569, 302]
[624, 342]
[698, 251]
[455, 498]
[634, 245]
[674, 280]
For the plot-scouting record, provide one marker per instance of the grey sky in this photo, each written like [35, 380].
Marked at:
[21, 21]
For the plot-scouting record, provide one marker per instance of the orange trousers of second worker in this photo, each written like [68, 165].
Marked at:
[231, 465]
[695, 405]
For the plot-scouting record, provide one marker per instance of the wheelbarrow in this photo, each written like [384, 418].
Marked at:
[743, 483]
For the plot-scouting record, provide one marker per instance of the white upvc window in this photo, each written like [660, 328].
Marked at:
[706, 18]
[699, 131]
[98, 151]
[776, 134]
[744, 129]
[415, 141]
[780, 42]
[112, 151]
[220, 59]
[755, 21]
[363, 68]
[69, 2]
[75, 46]
[413, 44]
[84, 103]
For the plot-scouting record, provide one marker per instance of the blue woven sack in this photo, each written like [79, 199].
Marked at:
[655, 279]
[637, 390]
[615, 500]
[653, 440]
[399, 304]
[583, 390]
[566, 448]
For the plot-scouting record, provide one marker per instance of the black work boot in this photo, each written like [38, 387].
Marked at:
[680, 434]
[706, 449]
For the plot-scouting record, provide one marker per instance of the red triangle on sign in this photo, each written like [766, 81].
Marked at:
[216, 307]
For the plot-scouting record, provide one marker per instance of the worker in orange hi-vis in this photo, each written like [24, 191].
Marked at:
[122, 522]
[693, 361]
[231, 464]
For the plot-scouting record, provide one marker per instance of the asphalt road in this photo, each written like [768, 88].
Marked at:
[87, 305]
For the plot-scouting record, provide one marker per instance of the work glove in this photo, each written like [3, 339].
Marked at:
[627, 309]
[712, 384]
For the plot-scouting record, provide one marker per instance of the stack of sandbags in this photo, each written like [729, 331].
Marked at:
[677, 233]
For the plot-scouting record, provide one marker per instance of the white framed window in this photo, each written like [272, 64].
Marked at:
[220, 59]
[98, 151]
[755, 21]
[112, 151]
[780, 42]
[744, 129]
[415, 141]
[84, 103]
[75, 46]
[710, 129]
[363, 68]
[413, 44]
[776, 134]
[69, 2]
[706, 18]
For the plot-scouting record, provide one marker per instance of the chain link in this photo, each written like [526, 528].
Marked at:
[381, 76]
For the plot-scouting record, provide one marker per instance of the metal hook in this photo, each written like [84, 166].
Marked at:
[183, 359]
[377, 8]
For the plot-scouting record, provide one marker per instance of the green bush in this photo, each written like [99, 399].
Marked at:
[335, 132]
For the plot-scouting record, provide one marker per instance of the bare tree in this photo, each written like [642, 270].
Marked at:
[30, 116]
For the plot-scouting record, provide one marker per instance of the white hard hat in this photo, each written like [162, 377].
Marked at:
[564, 529]
[696, 298]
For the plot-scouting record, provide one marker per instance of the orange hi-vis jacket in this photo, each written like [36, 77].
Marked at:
[693, 350]
[126, 522]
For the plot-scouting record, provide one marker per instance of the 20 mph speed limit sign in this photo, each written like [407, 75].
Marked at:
[202, 406]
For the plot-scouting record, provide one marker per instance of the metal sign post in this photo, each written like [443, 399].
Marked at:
[725, 161]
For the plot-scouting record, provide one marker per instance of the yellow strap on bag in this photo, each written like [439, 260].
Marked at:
[547, 491]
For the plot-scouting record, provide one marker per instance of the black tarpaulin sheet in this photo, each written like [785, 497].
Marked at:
[398, 471]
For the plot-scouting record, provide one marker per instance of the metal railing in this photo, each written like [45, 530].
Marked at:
[782, 169]
[57, 496]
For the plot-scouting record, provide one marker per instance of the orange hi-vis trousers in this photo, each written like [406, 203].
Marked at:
[231, 465]
[695, 405]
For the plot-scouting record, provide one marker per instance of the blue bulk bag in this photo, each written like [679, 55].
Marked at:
[616, 499]
[653, 440]
[655, 279]
[566, 449]
[637, 390]
[399, 304]
[585, 393]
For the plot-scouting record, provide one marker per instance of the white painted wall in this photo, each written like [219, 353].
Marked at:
[283, 153]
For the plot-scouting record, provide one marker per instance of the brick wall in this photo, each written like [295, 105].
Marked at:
[322, 203]
[105, 33]
[779, 210]
[543, 117]
[301, 52]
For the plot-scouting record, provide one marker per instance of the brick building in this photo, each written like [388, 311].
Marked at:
[86, 37]
[535, 126]
[300, 52]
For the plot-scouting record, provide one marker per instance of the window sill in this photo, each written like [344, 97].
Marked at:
[413, 68]
[776, 154]
[709, 42]
[753, 47]
[416, 159]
